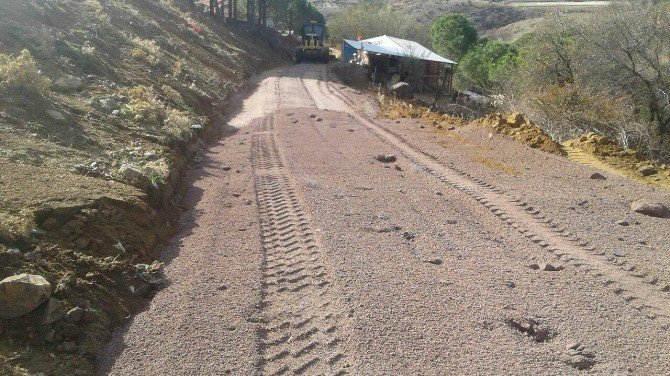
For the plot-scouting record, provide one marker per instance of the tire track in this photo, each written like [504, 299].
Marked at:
[301, 321]
[637, 288]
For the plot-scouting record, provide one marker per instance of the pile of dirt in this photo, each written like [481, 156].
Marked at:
[522, 129]
[104, 105]
[609, 155]
[401, 109]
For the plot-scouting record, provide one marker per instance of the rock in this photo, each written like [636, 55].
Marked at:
[319, 119]
[74, 315]
[622, 223]
[295, 121]
[237, 194]
[402, 90]
[116, 112]
[50, 224]
[226, 168]
[652, 209]
[439, 193]
[386, 158]
[434, 261]
[134, 176]
[647, 170]
[52, 311]
[398, 168]
[118, 246]
[196, 126]
[597, 176]
[248, 202]
[312, 116]
[69, 83]
[56, 115]
[222, 288]
[20, 294]
[109, 104]
[551, 268]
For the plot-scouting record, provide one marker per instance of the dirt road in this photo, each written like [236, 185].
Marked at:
[303, 254]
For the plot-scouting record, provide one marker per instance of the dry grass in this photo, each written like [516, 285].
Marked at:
[20, 73]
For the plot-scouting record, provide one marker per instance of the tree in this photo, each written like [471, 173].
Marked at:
[292, 14]
[483, 65]
[630, 45]
[453, 34]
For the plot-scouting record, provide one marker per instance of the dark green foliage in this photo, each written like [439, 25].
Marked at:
[483, 65]
[453, 35]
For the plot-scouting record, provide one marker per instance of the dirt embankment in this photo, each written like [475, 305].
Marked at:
[103, 108]
[522, 129]
[601, 152]
[590, 149]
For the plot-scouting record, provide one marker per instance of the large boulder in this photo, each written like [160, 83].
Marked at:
[20, 294]
[652, 209]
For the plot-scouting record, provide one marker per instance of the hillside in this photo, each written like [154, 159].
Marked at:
[103, 106]
[506, 20]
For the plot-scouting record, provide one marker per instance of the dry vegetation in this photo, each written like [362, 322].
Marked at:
[103, 104]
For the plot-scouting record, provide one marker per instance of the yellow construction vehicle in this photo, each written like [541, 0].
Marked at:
[312, 46]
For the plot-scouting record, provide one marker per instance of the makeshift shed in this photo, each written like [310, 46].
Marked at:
[384, 57]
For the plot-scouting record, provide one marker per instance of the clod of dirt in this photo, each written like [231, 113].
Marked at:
[577, 357]
[597, 176]
[652, 209]
[522, 129]
[434, 261]
[386, 158]
[530, 327]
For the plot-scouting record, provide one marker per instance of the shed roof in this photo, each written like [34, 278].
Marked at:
[397, 47]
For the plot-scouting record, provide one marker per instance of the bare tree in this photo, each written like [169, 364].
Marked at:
[629, 46]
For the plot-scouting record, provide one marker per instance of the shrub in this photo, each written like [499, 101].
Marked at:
[146, 50]
[20, 74]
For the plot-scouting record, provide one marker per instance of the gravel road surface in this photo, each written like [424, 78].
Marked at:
[302, 253]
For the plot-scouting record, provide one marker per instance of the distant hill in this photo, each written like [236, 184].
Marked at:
[505, 20]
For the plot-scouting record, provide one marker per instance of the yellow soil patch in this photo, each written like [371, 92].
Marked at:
[497, 166]
[604, 154]
[397, 109]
